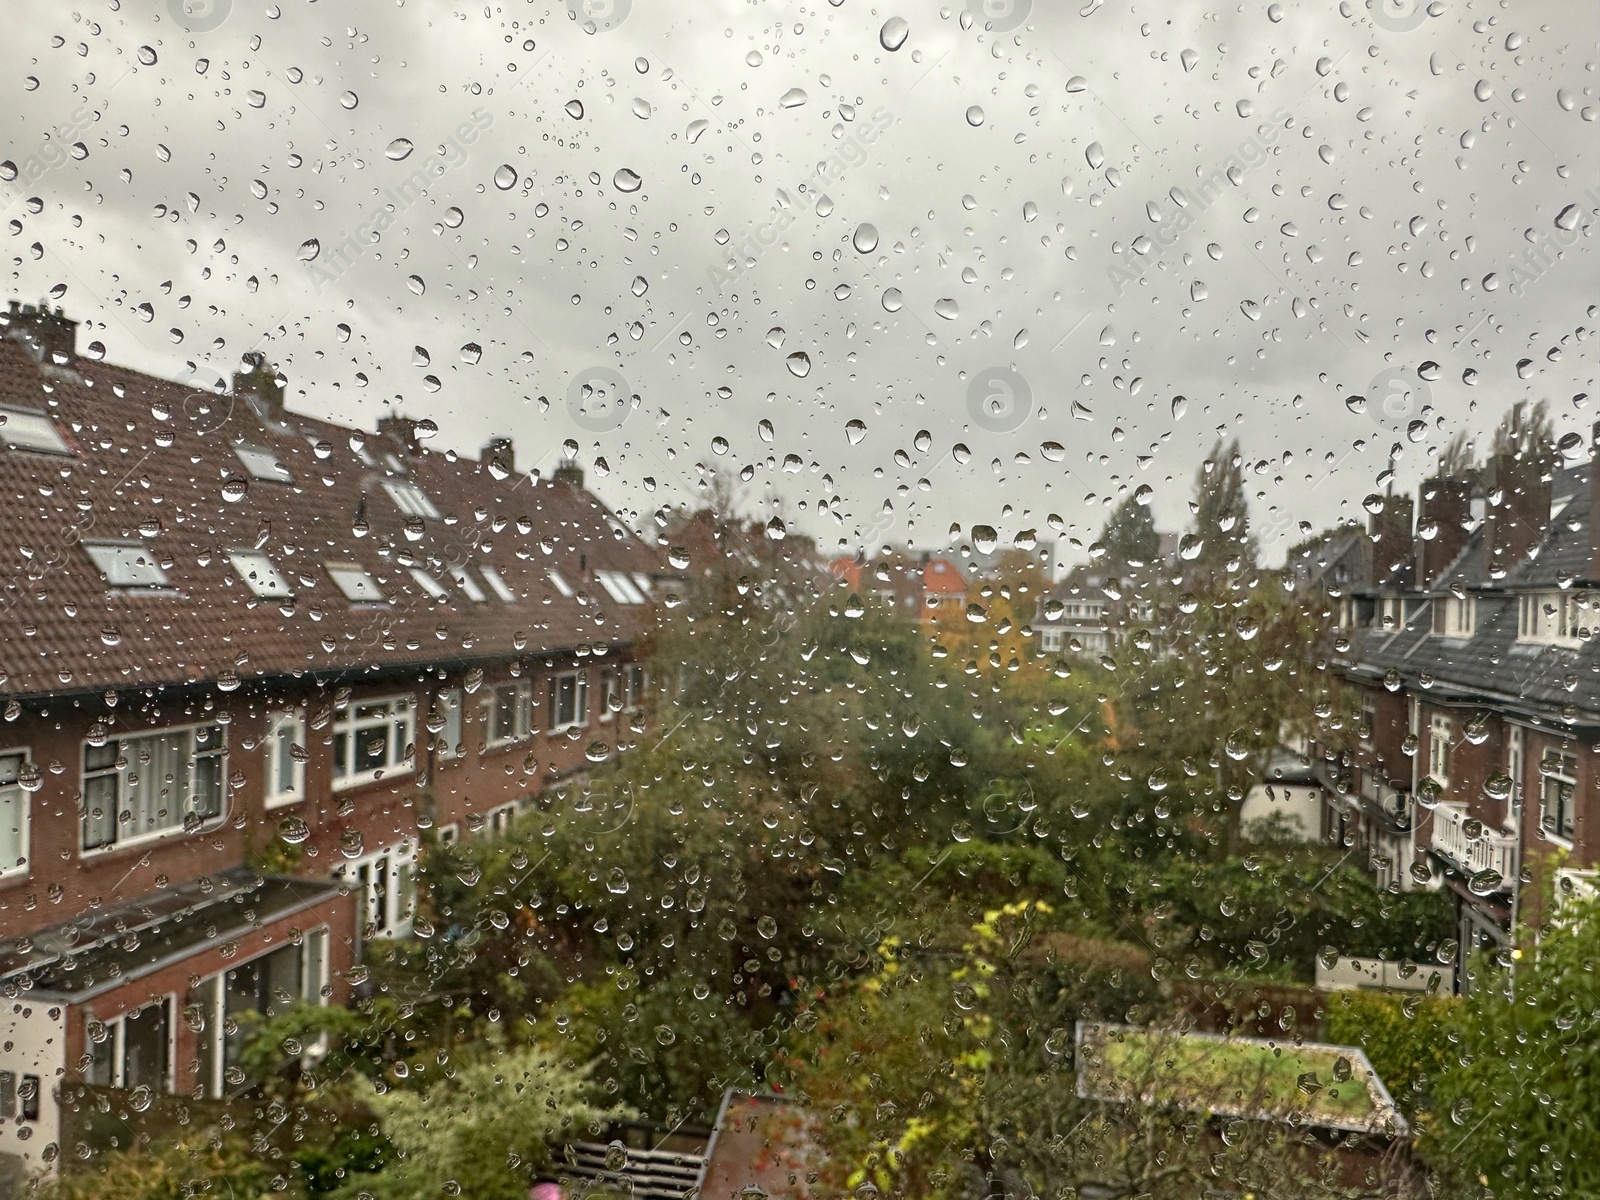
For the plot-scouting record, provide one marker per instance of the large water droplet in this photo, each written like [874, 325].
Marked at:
[793, 98]
[399, 149]
[799, 364]
[893, 301]
[626, 181]
[855, 430]
[975, 116]
[893, 34]
[505, 177]
[574, 109]
[865, 238]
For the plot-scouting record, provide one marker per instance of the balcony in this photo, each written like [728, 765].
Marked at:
[1474, 847]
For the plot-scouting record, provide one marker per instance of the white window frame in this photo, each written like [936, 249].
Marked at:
[391, 872]
[497, 583]
[1551, 776]
[37, 433]
[635, 686]
[348, 576]
[116, 1033]
[450, 704]
[398, 718]
[315, 962]
[284, 727]
[1440, 732]
[580, 697]
[521, 698]
[610, 693]
[1052, 641]
[259, 574]
[410, 499]
[1515, 763]
[127, 777]
[499, 820]
[12, 762]
[1456, 616]
[1558, 618]
[110, 556]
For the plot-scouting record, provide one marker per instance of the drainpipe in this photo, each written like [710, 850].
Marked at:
[1415, 723]
[1516, 875]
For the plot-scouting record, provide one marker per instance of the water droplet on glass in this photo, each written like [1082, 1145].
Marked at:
[626, 181]
[893, 34]
[348, 100]
[147, 56]
[855, 430]
[947, 308]
[453, 217]
[799, 364]
[975, 116]
[893, 301]
[399, 150]
[574, 109]
[505, 177]
[1188, 58]
[865, 238]
[695, 130]
[793, 98]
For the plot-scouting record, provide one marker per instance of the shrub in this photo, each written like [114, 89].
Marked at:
[1406, 1038]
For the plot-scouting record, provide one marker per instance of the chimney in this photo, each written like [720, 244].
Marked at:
[1518, 512]
[402, 430]
[262, 383]
[1446, 507]
[1391, 535]
[569, 472]
[54, 333]
[500, 450]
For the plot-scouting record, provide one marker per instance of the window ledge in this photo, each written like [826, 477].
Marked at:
[145, 840]
[391, 776]
[285, 800]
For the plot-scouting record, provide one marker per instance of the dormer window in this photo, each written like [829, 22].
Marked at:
[1455, 616]
[127, 565]
[263, 463]
[410, 499]
[358, 586]
[31, 431]
[1391, 613]
[1555, 618]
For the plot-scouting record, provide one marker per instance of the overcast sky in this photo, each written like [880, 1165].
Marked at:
[1262, 208]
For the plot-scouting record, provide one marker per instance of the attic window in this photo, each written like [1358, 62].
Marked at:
[429, 584]
[562, 585]
[127, 565]
[260, 576]
[262, 463]
[468, 584]
[357, 585]
[620, 588]
[410, 499]
[31, 431]
[497, 584]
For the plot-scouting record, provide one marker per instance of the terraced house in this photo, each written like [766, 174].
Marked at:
[1467, 758]
[247, 657]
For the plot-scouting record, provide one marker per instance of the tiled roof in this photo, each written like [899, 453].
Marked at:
[155, 466]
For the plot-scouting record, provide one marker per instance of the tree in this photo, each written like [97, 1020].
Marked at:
[482, 1130]
[1222, 509]
[1525, 432]
[1130, 533]
[1458, 459]
[1518, 1099]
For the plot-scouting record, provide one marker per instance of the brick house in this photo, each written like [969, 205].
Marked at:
[246, 657]
[1467, 757]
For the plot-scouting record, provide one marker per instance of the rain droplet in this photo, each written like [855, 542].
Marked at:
[1095, 155]
[865, 238]
[626, 181]
[309, 249]
[947, 308]
[505, 177]
[1567, 218]
[893, 301]
[975, 116]
[414, 282]
[1188, 58]
[453, 217]
[793, 98]
[399, 149]
[799, 364]
[893, 34]
[349, 100]
[855, 430]
[147, 56]
[574, 109]
[471, 353]
[695, 130]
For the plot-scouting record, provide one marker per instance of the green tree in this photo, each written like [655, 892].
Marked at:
[483, 1128]
[1518, 1100]
[1221, 508]
[1130, 533]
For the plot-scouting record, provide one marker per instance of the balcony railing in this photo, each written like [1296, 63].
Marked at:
[1473, 846]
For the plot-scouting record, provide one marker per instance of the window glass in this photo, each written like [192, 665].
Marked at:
[262, 463]
[146, 784]
[262, 578]
[357, 585]
[14, 806]
[286, 758]
[31, 431]
[126, 565]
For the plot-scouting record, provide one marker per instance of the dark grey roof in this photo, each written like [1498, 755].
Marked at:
[103, 949]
